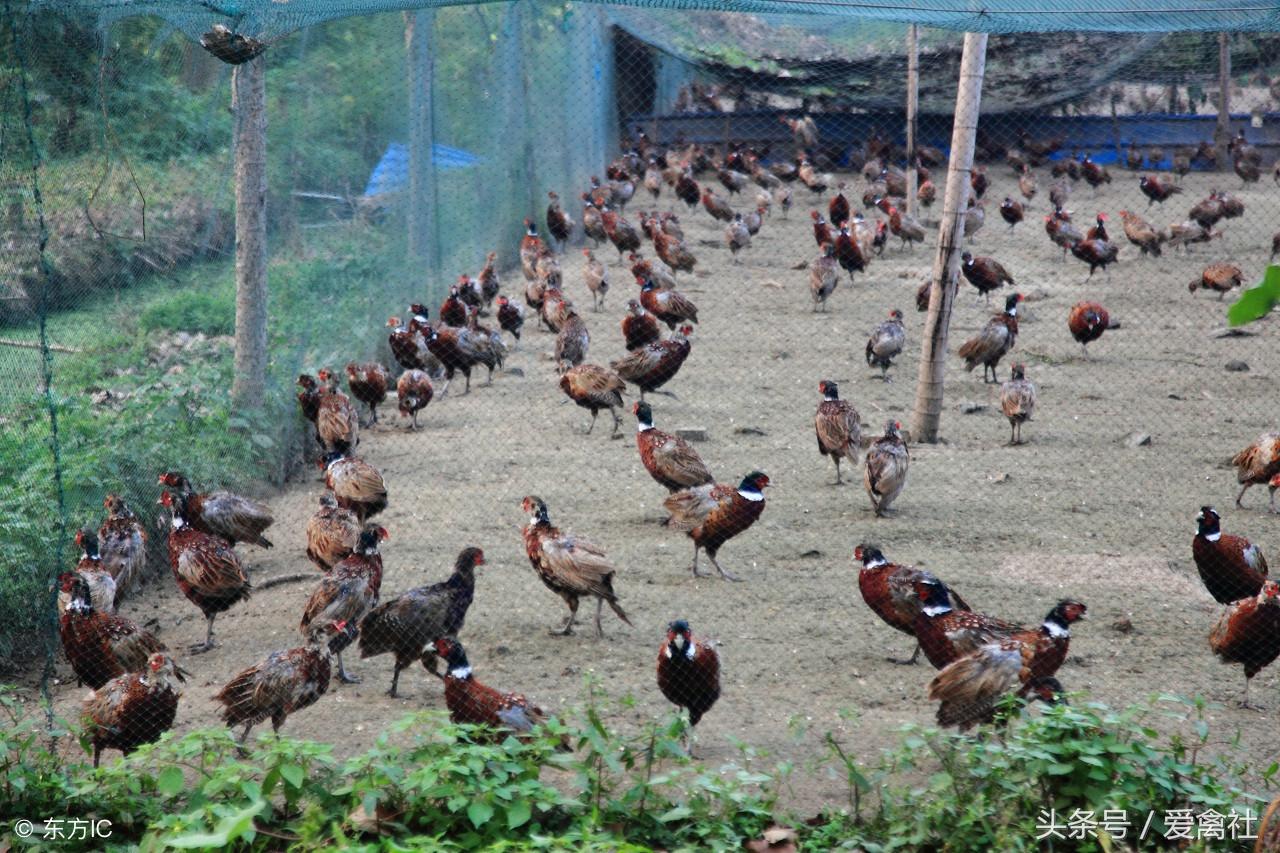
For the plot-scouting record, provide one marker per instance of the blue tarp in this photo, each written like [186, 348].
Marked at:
[392, 172]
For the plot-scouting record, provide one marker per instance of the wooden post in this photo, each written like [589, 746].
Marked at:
[516, 43]
[515, 193]
[913, 104]
[1222, 133]
[423, 200]
[249, 108]
[946, 263]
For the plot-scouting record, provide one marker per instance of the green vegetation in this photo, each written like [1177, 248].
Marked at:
[992, 792]
[207, 313]
[132, 130]
[427, 784]
[150, 391]
[141, 381]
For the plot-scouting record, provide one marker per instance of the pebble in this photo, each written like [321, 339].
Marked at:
[1137, 439]
[1237, 366]
[969, 407]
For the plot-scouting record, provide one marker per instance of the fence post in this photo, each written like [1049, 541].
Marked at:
[519, 185]
[913, 104]
[946, 264]
[1222, 133]
[423, 201]
[249, 106]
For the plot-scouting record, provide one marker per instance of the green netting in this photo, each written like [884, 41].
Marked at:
[406, 142]
[271, 20]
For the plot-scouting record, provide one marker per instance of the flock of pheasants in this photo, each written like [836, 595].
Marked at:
[982, 659]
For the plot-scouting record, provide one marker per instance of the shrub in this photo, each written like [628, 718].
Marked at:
[427, 784]
[993, 791]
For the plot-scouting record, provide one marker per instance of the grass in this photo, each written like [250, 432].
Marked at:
[209, 313]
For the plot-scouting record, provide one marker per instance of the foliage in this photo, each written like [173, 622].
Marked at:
[323, 133]
[646, 783]
[991, 791]
[427, 784]
[76, 79]
[1256, 302]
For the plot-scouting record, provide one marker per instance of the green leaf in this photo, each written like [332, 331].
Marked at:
[518, 814]
[293, 774]
[229, 829]
[170, 781]
[677, 813]
[480, 812]
[1256, 302]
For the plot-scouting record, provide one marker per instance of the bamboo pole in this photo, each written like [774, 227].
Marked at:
[1222, 133]
[913, 104]
[249, 106]
[946, 263]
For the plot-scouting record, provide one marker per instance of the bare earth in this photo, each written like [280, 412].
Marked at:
[1076, 512]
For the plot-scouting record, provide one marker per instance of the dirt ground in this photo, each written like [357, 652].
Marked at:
[1076, 512]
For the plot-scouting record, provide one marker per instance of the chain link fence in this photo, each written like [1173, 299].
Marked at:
[462, 170]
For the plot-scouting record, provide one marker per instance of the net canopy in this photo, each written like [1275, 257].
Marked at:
[270, 20]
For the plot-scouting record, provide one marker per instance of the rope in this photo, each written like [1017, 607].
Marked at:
[46, 358]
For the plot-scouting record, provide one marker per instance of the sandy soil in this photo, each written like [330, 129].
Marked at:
[1076, 512]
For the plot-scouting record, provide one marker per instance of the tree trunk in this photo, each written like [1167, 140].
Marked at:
[423, 200]
[946, 264]
[1222, 133]
[249, 106]
[913, 103]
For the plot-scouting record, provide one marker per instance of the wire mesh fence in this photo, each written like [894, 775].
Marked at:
[560, 296]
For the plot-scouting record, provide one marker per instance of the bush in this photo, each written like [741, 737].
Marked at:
[995, 790]
[427, 784]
